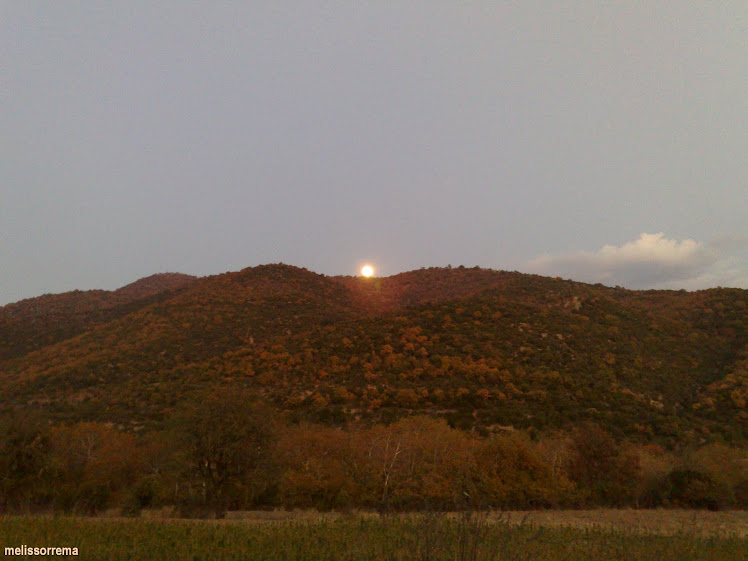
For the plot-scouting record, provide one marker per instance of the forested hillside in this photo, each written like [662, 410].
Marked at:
[34, 323]
[522, 383]
[482, 348]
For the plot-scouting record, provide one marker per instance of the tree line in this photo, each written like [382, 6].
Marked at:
[228, 451]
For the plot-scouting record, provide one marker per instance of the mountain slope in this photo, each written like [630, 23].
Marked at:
[486, 349]
[378, 295]
[210, 317]
[31, 324]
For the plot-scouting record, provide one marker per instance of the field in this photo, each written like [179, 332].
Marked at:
[579, 535]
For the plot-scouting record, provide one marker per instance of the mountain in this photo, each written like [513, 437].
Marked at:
[37, 322]
[488, 350]
[421, 286]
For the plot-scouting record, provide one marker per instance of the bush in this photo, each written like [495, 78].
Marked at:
[141, 495]
[690, 488]
[24, 462]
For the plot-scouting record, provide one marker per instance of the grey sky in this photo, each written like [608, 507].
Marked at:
[143, 137]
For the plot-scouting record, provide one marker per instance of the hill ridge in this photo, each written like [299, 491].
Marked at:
[481, 347]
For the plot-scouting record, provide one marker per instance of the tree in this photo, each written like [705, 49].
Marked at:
[511, 473]
[608, 473]
[415, 463]
[93, 464]
[695, 489]
[24, 460]
[225, 439]
[317, 466]
[727, 466]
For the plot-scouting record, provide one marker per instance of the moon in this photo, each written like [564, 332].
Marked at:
[367, 271]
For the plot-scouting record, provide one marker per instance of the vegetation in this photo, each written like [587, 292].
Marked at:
[225, 453]
[457, 389]
[231, 454]
[483, 349]
[37, 322]
[426, 537]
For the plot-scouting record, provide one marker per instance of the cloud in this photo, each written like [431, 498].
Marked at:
[651, 261]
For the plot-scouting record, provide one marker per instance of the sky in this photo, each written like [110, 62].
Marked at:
[603, 142]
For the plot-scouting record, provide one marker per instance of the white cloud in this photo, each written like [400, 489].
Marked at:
[651, 261]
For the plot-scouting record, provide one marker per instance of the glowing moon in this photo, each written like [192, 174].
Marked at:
[367, 270]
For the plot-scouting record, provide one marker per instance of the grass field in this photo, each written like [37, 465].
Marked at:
[577, 535]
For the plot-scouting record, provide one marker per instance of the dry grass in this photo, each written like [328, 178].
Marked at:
[658, 521]
[601, 535]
